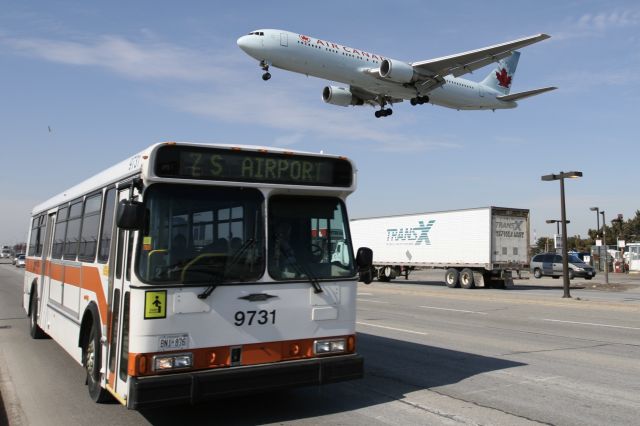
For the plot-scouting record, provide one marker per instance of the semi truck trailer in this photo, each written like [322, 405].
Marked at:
[476, 247]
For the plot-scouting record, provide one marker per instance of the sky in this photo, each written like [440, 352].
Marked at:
[83, 85]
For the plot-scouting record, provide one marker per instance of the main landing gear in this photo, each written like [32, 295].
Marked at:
[384, 112]
[265, 67]
[419, 100]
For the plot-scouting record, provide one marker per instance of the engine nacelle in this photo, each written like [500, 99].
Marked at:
[340, 96]
[397, 71]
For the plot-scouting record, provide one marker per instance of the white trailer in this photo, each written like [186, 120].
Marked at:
[476, 247]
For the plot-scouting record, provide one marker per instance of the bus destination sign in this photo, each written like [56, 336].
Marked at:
[188, 162]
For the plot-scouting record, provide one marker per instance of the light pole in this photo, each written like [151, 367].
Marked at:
[565, 261]
[606, 249]
[597, 210]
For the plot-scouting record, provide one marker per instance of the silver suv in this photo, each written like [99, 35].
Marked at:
[551, 264]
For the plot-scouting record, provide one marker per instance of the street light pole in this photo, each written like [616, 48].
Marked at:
[606, 249]
[565, 258]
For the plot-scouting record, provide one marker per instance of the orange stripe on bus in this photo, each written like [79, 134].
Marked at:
[72, 276]
[84, 277]
[56, 271]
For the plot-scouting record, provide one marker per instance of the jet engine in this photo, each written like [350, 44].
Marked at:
[397, 71]
[340, 96]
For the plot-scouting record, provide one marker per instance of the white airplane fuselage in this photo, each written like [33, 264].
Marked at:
[331, 61]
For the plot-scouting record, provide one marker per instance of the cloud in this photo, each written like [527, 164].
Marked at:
[589, 25]
[148, 59]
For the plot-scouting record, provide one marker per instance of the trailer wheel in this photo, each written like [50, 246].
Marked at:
[451, 278]
[384, 274]
[466, 278]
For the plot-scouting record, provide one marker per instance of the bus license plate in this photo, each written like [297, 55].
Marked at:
[173, 342]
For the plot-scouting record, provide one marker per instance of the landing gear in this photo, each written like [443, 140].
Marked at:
[265, 67]
[384, 112]
[419, 100]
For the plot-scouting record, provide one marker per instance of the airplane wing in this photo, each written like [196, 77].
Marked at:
[522, 95]
[463, 63]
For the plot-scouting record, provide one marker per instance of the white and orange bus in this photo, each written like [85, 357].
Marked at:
[189, 272]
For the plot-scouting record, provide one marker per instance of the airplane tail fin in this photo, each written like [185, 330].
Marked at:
[501, 77]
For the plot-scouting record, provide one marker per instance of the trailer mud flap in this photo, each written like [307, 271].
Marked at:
[478, 279]
[508, 279]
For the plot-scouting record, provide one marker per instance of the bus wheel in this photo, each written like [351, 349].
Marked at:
[34, 329]
[466, 278]
[451, 278]
[91, 361]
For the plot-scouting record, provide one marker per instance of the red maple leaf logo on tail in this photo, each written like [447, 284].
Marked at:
[504, 79]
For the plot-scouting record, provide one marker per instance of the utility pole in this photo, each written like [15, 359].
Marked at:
[606, 249]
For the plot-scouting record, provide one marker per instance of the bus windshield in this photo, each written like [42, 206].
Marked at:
[202, 235]
[308, 239]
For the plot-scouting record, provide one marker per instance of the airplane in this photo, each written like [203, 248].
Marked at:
[376, 80]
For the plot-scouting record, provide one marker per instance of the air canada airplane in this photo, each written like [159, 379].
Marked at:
[376, 80]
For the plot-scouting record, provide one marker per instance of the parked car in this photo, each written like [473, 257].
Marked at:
[20, 261]
[550, 264]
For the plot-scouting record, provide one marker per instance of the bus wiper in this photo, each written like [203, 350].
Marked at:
[301, 269]
[237, 255]
[312, 279]
[217, 280]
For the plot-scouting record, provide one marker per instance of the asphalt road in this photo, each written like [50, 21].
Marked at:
[433, 355]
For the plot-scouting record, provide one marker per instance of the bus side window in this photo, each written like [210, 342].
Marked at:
[107, 226]
[89, 233]
[60, 230]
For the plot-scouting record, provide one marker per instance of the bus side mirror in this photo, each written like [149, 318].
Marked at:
[130, 215]
[364, 261]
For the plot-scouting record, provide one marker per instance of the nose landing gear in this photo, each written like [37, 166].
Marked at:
[265, 67]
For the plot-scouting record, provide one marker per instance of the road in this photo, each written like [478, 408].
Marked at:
[433, 355]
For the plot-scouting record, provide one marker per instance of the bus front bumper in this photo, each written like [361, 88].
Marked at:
[193, 387]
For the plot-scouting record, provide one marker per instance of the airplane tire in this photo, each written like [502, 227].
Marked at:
[414, 101]
[266, 76]
[377, 114]
[389, 112]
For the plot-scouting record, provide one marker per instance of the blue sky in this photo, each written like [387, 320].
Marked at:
[110, 78]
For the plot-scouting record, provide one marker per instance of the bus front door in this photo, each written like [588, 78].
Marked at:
[118, 329]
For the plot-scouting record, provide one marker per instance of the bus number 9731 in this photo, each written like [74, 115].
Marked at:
[261, 317]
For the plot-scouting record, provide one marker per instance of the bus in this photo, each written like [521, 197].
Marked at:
[190, 272]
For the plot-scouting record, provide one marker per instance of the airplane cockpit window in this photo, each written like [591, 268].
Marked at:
[258, 33]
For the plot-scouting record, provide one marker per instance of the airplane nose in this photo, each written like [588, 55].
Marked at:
[244, 43]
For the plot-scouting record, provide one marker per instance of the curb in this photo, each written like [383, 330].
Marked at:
[10, 409]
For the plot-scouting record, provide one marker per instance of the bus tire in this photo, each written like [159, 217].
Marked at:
[451, 278]
[34, 329]
[466, 278]
[91, 361]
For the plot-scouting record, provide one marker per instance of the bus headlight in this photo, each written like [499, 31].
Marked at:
[329, 346]
[172, 362]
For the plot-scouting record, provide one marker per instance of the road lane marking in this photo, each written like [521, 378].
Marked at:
[365, 294]
[592, 323]
[392, 328]
[453, 310]
[371, 301]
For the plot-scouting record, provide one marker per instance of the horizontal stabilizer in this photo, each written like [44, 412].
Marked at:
[522, 95]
